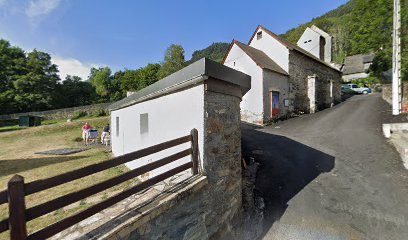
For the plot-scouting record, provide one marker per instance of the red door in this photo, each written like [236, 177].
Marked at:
[275, 111]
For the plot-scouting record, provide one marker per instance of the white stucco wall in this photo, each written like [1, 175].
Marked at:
[314, 45]
[169, 117]
[252, 101]
[275, 82]
[273, 48]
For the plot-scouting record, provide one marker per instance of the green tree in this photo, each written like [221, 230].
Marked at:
[100, 79]
[12, 65]
[36, 90]
[128, 80]
[173, 61]
[75, 92]
[149, 74]
[135, 80]
[381, 63]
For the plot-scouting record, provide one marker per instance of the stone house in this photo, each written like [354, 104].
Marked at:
[285, 78]
[357, 66]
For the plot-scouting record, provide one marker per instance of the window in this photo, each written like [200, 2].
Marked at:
[117, 126]
[258, 35]
[144, 123]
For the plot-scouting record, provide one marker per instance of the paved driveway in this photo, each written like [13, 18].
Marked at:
[331, 175]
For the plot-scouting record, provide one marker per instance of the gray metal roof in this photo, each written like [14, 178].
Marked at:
[190, 75]
[260, 58]
[355, 64]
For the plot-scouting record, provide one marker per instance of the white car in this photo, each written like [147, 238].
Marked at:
[355, 88]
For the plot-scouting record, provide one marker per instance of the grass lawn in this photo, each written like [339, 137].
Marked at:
[11, 128]
[17, 157]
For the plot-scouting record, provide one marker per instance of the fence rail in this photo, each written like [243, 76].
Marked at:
[17, 189]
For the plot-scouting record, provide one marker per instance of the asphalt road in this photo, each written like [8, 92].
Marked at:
[331, 175]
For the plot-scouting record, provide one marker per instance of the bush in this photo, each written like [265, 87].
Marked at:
[369, 81]
[79, 114]
[100, 113]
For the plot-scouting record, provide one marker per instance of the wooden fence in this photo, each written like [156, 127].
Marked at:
[17, 189]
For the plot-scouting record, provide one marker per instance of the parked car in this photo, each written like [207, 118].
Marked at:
[354, 88]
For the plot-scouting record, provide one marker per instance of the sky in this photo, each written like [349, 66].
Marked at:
[129, 34]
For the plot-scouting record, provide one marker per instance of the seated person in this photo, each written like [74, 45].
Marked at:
[105, 133]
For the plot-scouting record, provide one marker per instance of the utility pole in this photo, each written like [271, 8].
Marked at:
[396, 60]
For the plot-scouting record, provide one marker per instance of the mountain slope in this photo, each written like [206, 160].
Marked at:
[215, 51]
[361, 26]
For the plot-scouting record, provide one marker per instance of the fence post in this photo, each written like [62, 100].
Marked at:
[16, 200]
[194, 147]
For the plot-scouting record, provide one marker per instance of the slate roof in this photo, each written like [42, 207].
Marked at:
[190, 75]
[355, 64]
[294, 47]
[260, 58]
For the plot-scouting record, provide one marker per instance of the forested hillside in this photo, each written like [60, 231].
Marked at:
[362, 26]
[215, 52]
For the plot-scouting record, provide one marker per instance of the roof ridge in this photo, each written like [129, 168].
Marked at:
[260, 58]
[292, 46]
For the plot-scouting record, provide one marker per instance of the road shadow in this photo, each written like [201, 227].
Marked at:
[14, 166]
[345, 96]
[286, 167]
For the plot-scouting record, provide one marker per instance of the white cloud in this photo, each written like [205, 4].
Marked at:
[71, 66]
[40, 7]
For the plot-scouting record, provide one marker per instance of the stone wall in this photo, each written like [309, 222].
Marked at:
[222, 162]
[387, 93]
[300, 67]
[61, 113]
[179, 215]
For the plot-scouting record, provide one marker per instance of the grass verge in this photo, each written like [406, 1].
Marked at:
[17, 157]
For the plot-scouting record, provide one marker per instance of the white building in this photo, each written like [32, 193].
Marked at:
[285, 78]
[269, 80]
[169, 109]
[317, 42]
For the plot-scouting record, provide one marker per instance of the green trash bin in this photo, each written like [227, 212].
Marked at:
[29, 121]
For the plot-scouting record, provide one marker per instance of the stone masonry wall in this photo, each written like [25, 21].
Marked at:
[222, 162]
[300, 67]
[387, 93]
[61, 113]
[184, 218]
